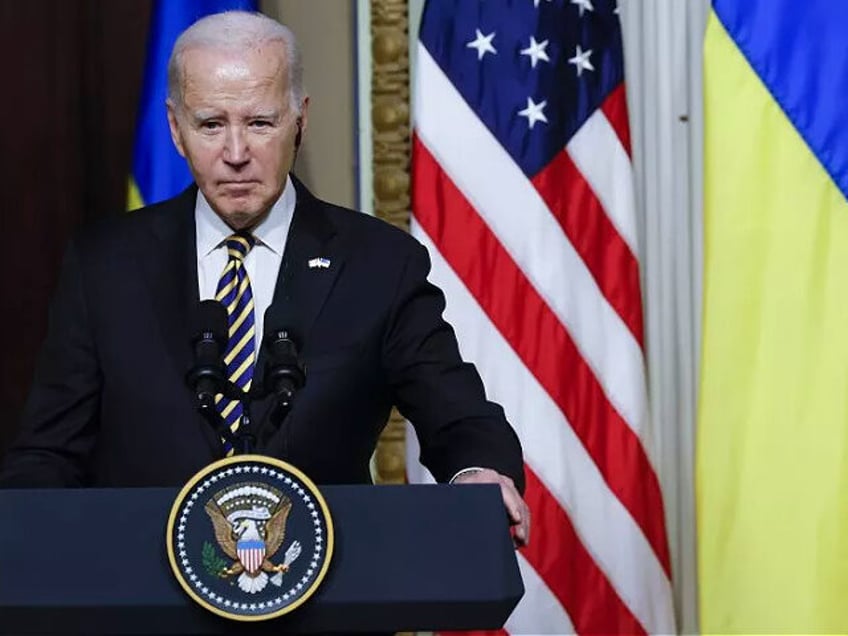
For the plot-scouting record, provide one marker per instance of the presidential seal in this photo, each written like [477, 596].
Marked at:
[250, 538]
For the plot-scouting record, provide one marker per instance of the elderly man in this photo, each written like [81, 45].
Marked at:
[110, 406]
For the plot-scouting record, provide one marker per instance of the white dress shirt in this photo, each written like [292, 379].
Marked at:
[262, 262]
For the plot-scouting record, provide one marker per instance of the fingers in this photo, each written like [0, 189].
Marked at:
[518, 511]
[512, 500]
[516, 508]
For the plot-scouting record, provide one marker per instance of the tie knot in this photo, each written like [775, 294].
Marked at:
[238, 245]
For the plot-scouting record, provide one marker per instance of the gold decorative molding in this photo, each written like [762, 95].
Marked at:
[391, 150]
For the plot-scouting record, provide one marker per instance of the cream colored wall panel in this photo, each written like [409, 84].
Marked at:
[326, 30]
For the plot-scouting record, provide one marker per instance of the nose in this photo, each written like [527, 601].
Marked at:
[236, 149]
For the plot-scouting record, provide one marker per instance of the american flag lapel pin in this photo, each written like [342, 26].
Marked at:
[319, 263]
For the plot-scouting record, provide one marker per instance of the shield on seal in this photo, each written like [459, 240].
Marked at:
[251, 553]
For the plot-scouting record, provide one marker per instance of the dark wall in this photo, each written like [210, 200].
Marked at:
[71, 78]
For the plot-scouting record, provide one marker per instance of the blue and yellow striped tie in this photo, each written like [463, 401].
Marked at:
[235, 294]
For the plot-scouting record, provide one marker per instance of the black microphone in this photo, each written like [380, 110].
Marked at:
[284, 374]
[211, 333]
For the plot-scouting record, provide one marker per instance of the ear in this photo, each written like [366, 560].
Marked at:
[174, 125]
[303, 118]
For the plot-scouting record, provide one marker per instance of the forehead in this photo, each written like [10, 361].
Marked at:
[210, 71]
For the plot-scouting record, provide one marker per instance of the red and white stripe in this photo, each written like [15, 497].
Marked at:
[251, 558]
[542, 281]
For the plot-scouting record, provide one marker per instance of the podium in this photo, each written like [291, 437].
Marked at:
[93, 561]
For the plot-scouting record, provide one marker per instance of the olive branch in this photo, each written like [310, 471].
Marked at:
[212, 561]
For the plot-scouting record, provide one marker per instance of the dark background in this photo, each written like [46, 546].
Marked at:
[72, 72]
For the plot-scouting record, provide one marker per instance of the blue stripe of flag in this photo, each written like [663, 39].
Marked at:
[799, 49]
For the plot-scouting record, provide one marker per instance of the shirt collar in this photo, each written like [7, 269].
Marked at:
[212, 231]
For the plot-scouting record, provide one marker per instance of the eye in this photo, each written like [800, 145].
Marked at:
[261, 123]
[210, 125]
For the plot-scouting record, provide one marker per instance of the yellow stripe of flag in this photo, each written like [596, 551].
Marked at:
[772, 442]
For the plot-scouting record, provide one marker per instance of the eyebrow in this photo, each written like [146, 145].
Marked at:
[274, 114]
[203, 115]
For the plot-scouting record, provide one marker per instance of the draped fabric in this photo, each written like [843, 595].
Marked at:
[522, 192]
[772, 447]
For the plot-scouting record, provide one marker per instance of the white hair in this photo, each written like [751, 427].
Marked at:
[237, 30]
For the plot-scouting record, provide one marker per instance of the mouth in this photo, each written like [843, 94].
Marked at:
[237, 188]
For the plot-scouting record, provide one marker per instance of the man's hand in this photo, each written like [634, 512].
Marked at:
[519, 513]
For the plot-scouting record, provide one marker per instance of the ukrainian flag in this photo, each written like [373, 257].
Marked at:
[158, 170]
[772, 443]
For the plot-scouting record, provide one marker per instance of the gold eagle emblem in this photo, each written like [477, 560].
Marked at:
[249, 520]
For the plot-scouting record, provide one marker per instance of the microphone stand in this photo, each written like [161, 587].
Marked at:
[243, 442]
[207, 378]
[284, 377]
[207, 409]
[245, 434]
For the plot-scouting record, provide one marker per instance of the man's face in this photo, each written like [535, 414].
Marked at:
[236, 128]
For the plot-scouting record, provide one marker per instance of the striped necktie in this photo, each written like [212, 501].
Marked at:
[235, 294]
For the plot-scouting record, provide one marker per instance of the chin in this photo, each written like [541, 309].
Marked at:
[241, 219]
[238, 214]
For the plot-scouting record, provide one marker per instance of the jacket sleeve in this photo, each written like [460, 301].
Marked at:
[59, 422]
[440, 394]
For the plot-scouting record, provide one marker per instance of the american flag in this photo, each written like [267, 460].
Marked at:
[523, 194]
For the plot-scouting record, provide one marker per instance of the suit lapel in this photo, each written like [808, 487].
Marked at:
[170, 266]
[169, 261]
[311, 265]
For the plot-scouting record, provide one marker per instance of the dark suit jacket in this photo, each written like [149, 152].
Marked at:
[110, 406]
